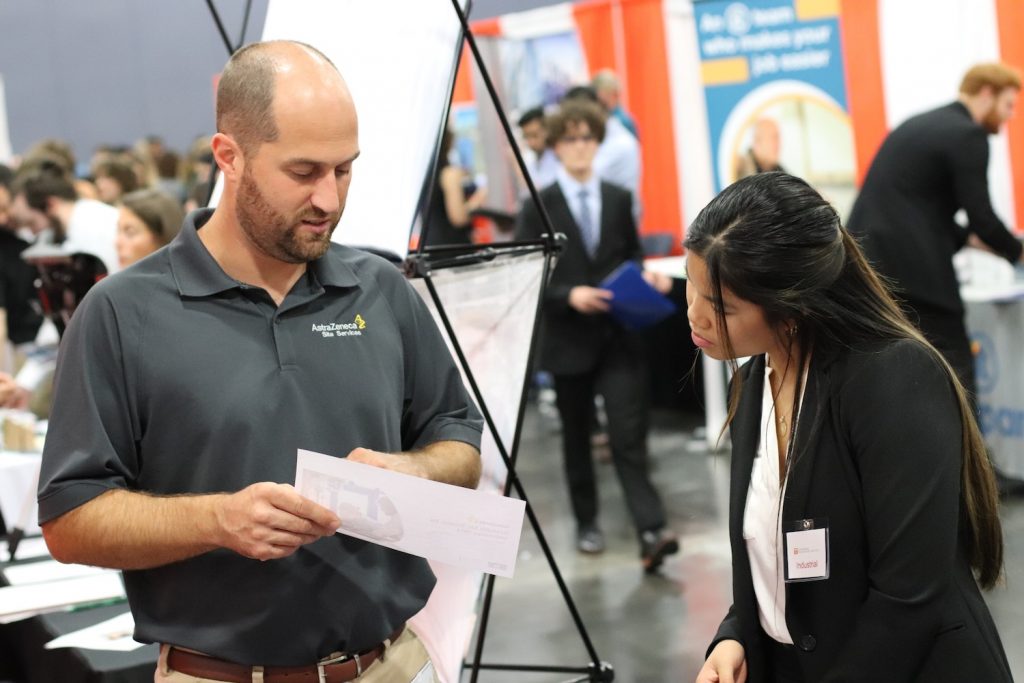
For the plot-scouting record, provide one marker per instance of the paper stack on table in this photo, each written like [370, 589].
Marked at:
[89, 586]
[112, 634]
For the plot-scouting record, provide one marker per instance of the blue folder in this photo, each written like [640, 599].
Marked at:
[635, 303]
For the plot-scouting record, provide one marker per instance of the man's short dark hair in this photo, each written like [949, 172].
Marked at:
[120, 171]
[530, 115]
[581, 92]
[575, 111]
[55, 150]
[40, 178]
[6, 176]
[245, 95]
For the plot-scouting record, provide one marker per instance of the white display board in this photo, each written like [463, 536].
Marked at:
[397, 58]
[925, 72]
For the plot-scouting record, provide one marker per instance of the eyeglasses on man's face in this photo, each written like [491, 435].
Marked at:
[573, 139]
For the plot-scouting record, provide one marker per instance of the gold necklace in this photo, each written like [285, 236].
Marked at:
[783, 421]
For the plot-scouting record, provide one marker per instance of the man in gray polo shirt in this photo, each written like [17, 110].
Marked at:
[187, 382]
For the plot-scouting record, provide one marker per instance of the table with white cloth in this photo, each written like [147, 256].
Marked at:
[19, 474]
[22, 653]
[995, 322]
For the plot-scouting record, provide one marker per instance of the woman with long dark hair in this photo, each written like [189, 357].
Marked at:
[147, 220]
[863, 509]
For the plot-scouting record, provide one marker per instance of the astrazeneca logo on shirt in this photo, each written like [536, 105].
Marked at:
[352, 329]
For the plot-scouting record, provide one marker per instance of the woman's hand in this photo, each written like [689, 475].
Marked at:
[477, 199]
[727, 663]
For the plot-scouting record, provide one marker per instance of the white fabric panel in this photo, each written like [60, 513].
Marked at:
[690, 116]
[537, 22]
[696, 169]
[397, 58]
[492, 307]
[924, 60]
[19, 478]
[5, 137]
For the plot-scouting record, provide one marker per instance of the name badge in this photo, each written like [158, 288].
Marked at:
[805, 543]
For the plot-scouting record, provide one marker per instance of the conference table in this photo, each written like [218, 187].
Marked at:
[23, 657]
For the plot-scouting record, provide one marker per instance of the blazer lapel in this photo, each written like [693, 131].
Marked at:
[805, 448]
[745, 432]
[605, 221]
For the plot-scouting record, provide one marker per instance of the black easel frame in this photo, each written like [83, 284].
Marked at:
[596, 670]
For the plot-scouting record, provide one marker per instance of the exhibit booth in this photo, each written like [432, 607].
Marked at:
[834, 76]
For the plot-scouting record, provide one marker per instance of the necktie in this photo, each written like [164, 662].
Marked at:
[586, 221]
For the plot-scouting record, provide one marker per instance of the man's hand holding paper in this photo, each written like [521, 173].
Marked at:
[268, 521]
[438, 521]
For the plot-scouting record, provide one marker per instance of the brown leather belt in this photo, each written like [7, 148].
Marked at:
[344, 669]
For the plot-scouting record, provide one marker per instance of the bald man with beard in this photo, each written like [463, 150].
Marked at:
[187, 382]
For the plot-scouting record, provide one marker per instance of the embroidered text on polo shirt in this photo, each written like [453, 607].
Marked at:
[352, 329]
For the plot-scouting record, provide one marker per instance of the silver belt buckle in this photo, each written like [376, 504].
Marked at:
[321, 675]
[359, 665]
[336, 659]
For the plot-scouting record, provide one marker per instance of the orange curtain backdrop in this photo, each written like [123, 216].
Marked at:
[597, 37]
[646, 74]
[1010, 17]
[463, 93]
[862, 52]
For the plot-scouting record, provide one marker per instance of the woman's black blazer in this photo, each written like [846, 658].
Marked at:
[877, 453]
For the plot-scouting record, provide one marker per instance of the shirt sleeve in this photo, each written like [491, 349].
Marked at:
[436, 406]
[89, 447]
[970, 181]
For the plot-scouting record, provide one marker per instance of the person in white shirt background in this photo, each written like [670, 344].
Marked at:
[45, 200]
[541, 162]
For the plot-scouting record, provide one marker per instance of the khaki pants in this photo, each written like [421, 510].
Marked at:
[405, 660]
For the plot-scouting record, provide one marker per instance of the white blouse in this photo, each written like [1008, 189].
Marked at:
[762, 521]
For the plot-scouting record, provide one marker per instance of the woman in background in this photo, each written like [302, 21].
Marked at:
[114, 178]
[148, 220]
[863, 509]
[454, 200]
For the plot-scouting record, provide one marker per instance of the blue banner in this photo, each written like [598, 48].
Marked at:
[775, 88]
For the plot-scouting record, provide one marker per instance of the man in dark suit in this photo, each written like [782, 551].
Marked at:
[585, 350]
[926, 170]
